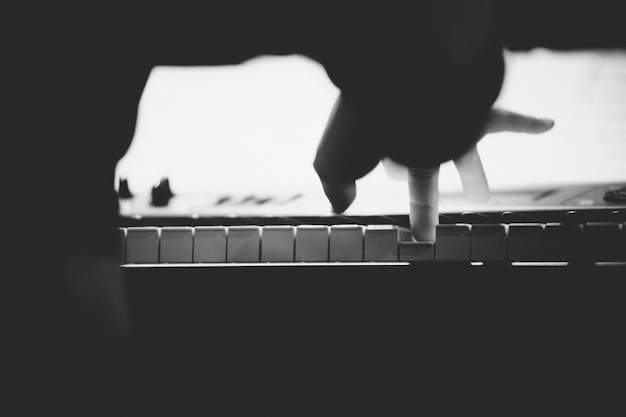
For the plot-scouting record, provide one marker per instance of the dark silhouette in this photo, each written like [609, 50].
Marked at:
[417, 81]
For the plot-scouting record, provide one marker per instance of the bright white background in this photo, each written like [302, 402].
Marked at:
[255, 127]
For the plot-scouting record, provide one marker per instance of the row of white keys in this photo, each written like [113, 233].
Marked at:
[486, 243]
[282, 243]
[528, 242]
[381, 243]
[490, 242]
[311, 243]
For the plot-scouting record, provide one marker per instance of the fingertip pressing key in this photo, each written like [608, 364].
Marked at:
[424, 199]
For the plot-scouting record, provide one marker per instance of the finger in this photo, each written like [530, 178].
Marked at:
[506, 121]
[424, 198]
[350, 148]
[473, 178]
[340, 195]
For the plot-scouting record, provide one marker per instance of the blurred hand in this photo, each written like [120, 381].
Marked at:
[341, 154]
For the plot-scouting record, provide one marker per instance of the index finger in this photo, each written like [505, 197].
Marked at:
[424, 199]
[349, 149]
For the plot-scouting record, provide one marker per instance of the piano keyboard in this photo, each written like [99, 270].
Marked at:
[326, 303]
[592, 236]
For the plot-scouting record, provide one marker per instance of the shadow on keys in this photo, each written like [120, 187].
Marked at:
[84, 337]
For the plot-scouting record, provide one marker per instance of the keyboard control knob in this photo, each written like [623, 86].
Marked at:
[162, 193]
[616, 196]
[123, 192]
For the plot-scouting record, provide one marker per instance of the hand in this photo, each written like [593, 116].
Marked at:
[423, 182]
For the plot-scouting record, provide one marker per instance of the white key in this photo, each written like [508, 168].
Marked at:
[142, 245]
[452, 242]
[277, 244]
[209, 244]
[346, 243]
[488, 242]
[413, 251]
[525, 242]
[563, 242]
[176, 244]
[380, 243]
[243, 244]
[601, 241]
[312, 243]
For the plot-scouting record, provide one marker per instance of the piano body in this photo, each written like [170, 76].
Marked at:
[508, 312]
[254, 303]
